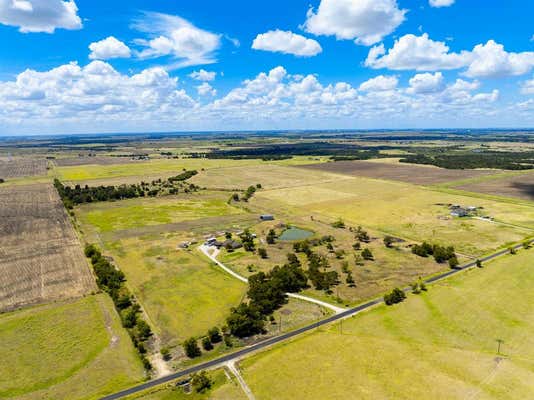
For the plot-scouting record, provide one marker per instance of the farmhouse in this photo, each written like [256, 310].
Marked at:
[267, 217]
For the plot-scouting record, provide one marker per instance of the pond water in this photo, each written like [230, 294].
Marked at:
[295, 234]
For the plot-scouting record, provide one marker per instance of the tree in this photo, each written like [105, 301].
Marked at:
[2, 180]
[143, 329]
[453, 262]
[262, 252]
[362, 235]
[191, 348]
[228, 235]
[201, 382]
[396, 296]
[350, 280]
[129, 318]
[245, 320]
[271, 237]
[206, 344]
[215, 335]
[388, 241]
[367, 254]
[512, 250]
[527, 244]
[357, 246]
[479, 264]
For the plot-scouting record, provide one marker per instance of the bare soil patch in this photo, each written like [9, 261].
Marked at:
[40, 255]
[419, 175]
[18, 168]
[519, 187]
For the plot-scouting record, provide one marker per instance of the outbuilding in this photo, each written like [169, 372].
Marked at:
[267, 217]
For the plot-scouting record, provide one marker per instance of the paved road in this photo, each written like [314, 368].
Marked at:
[286, 336]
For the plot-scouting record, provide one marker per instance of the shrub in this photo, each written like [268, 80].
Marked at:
[367, 254]
[262, 252]
[201, 382]
[396, 296]
[165, 353]
[453, 262]
[338, 224]
[388, 241]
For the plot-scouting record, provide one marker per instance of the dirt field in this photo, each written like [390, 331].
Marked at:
[519, 186]
[419, 175]
[40, 256]
[18, 168]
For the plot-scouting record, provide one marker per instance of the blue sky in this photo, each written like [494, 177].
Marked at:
[102, 66]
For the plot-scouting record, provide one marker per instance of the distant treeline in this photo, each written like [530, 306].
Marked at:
[282, 151]
[72, 196]
[489, 159]
[112, 281]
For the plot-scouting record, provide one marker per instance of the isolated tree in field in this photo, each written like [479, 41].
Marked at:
[479, 264]
[350, 280]
[206, 344]
[271, 237]
[362, 235]
[388, 241]
[512, 250]
[235, 197]
[357, 246]
[191, 348]
[526, 244]
[367, 254]
[201, 382]
[262, 252]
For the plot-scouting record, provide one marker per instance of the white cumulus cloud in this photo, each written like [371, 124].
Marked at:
[420, 53]
[108, 48]
[380, 83]
[527, 87]
[40, 15]
[364, 21]
[205, 89]
[426, 83]
[441, 3]
[171, 35]
[286, 42]
[203, 75]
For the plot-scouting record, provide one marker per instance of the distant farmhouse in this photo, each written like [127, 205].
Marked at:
[459, 211]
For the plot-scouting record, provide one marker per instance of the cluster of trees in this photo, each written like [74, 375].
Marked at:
[361, 235]
[271, 237]
[287, 150]
[112, 281]
[319, 274]
[247, 239]
[78, 195]
[419, 286]
[266, 294]
[214, 336]
[486, 159]
[440, 253]
[395, 296]
[201, 382]
[246, 196]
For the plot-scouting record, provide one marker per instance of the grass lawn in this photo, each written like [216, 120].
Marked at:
[222, 389]
[439, 345]
[408, 211]
[135, 213]
[183, 294]
[71, 350]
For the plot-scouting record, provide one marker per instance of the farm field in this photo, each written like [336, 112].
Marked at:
[269, 176]
[22, 167]
[439, 345]
[100, 160]
[71, 350]
[182, 293]
[141, 169]
[410, 173]
[140, 212]
[407, 211]
[40, 255]
[519, 186]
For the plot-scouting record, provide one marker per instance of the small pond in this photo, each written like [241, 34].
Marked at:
[295, 234]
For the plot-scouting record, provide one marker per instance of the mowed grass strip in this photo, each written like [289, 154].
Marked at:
[411, 212]
[182, 292]
[71, 350]
[439, 345]
[135, 213]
